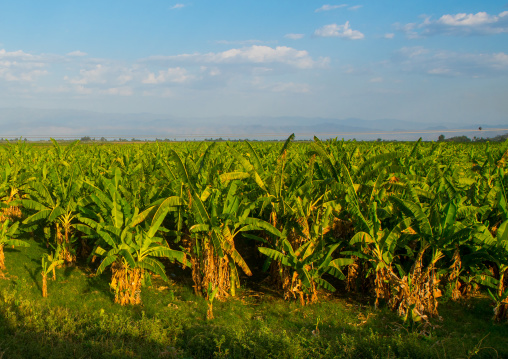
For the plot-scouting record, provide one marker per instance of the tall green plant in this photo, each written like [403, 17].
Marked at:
[7, 234]
[126, 240]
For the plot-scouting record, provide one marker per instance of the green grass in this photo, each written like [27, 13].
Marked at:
[80, 320]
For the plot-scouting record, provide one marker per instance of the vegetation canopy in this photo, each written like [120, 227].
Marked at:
[410, 225]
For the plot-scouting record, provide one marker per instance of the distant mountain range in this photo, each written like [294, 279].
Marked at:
[59, 123]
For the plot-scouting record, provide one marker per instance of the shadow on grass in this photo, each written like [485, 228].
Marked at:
[33, 275]
[276, 330]
[69, 270]
[20, 340]
[99, 285]
[11, 250]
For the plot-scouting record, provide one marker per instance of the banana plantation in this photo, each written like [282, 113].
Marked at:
[403, 223]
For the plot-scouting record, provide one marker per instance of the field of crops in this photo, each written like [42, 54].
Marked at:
[409, 224]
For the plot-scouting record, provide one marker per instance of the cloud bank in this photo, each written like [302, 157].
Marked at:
[461, 24]
[329, 7]
[451, 64]
[343, 31]
[255, 54]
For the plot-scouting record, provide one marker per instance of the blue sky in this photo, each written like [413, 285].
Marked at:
[408, 60]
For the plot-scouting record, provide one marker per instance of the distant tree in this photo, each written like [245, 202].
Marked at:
[499, 138]
[441, 138]
[103, 139]
[85, 139]
[459, 139]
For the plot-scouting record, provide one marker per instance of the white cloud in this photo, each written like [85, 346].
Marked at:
[463, 19]
[343, 31]
[103, 76]
[408, 29]
[94, 75]
[175, 75]
[19, 54]
[27, 76]
[390, 35]
[329, 7]
[261, 70]
[264, 54]
[356, 7]
[177, 6]
[120, 91]
[21, 66]
[82, 90]
[213, 71]
[376, 79]
[447, 63]
[294, 36]
[76, 75]
[256, 54]
[124, 78]
[77, 53]
[461, 24]
[412, 52]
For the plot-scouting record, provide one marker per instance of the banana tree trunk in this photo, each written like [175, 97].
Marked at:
[501, 310]
[383, 286]
[12, 213]
[352, 276]
[209, 312]
[417, 291]
[67, 253]
[2, 259]
[217, 272]
[454, 276]
[126, 282]
[44, 285]
[500, 288]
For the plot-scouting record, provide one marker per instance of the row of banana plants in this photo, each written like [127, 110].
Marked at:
[407, 222]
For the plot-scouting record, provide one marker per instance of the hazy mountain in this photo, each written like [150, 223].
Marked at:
[45, 123]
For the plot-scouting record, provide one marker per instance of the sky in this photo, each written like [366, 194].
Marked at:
[420, 61]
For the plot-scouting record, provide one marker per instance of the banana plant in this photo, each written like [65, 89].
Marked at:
[14, 177]
[131, 255]
[500, 304]
[7, 233]
[437, 230]
[379, 248]
[271, 183]
[217, 215]
[125, 239]
[53, 200]
[210, 295]
[48, 264]
[308, 264]
[498, 254]
[276, 183]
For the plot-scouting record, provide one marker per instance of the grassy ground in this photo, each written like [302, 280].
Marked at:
[80, 320]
